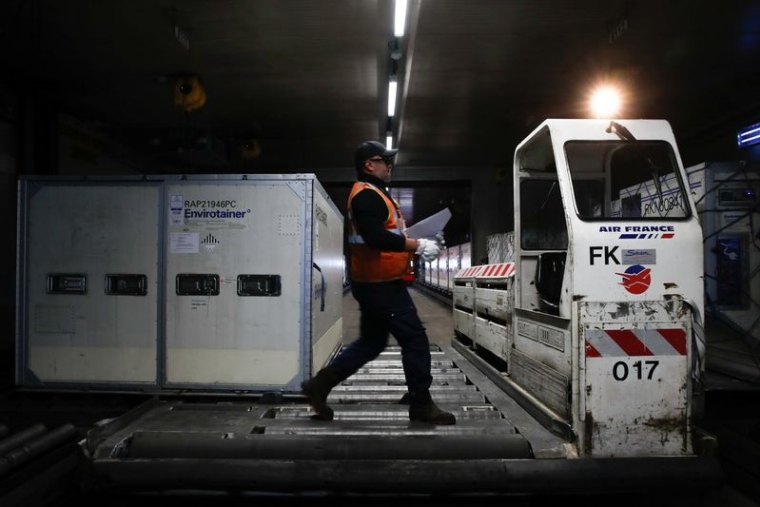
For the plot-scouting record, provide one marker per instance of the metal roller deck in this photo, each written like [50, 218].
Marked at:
[371, 446]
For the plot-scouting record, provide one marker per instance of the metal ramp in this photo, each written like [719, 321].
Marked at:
[369, 403]
[371, 428]
[366, 405]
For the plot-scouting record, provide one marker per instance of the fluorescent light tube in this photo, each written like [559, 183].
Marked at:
[392, 89]
[748, 132]
[748, 139]
[389, 142]
[749, 135]
[400, 18]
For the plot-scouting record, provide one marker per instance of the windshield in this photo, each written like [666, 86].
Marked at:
[625, 179]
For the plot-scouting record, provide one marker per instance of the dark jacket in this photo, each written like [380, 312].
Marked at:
[370, 213]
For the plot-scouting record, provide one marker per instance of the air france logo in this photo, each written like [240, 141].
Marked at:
[641, 231]
[636, 279]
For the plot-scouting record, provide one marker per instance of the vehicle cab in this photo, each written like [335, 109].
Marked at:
[609, 286]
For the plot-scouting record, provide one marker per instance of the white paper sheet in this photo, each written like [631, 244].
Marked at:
[183, 242]
[431, 226]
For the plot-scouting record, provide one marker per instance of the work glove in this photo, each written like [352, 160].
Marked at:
[428, 250]
[440, 240]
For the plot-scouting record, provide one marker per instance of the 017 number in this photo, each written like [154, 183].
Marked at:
[640, 370]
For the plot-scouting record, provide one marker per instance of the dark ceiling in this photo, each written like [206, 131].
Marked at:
[308, 78]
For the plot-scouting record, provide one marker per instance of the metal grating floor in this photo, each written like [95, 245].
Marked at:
[374, 393]
[369, 423]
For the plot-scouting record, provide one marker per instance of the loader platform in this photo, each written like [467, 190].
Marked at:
[246, 443]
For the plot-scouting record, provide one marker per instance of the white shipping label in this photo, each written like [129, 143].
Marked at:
[184, 242]
[736, 222]
[176, 208]
[639, 256]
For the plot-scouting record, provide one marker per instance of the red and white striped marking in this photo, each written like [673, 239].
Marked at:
[635, 342]
[502, 270]
[468, 272]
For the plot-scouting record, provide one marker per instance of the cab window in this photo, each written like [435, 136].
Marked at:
[626, 180]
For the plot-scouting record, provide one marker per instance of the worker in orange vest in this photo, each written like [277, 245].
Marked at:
[380, 254]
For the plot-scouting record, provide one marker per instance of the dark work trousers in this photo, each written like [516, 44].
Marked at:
[387, 307]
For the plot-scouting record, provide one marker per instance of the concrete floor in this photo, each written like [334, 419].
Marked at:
[435, 316]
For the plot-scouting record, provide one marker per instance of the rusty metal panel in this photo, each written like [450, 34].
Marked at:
[492, 337]
[464, 323]
[464, 297]
[636, 386]
[545, 338]
[494, 304]
[542, 333]
[545, 383]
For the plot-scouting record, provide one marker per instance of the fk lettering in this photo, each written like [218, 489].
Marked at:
[606, 253]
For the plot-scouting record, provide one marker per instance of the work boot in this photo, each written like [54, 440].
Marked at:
[318, 388]
[423, 408]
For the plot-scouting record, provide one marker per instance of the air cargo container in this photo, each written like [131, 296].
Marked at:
[224, 282]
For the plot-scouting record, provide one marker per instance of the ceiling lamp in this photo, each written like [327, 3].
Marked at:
[189, 94]
[251, 149]
[605, 102]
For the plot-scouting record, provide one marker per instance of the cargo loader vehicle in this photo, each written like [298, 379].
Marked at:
[592, 379]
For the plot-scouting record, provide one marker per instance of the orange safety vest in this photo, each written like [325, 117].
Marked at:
[371, 264]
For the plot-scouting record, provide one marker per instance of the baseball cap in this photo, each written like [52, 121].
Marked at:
[369, 149]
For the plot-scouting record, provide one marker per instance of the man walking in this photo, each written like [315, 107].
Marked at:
[380, 255]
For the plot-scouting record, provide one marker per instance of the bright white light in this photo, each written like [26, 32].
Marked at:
[389, 142]
[392, 87]
[605, 102]
[400, 18]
